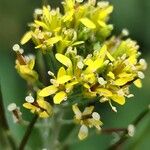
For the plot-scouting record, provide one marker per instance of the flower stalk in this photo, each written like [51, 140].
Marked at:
[4, 124]
[125, 135]
[27, 133]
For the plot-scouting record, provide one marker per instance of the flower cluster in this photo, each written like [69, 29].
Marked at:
[85, 56]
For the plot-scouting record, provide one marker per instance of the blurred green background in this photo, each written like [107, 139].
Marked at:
[131, 14]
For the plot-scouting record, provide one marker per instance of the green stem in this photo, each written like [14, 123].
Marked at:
[4, 124]
[111, 130]
[28, 133]
[41, 69]
[56, 128]
[125, 136]
[44, 2]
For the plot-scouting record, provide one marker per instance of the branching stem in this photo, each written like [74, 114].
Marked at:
[125, 136]
[28, 133]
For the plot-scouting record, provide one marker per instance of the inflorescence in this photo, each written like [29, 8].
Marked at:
[87, 60]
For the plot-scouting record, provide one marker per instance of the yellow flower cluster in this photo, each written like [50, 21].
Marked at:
[79, 23]
[85, 57]
[105, 73]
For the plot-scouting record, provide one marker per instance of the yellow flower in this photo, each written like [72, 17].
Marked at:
[25, 65]
[39, 106]
[63, 84]
[86, 119]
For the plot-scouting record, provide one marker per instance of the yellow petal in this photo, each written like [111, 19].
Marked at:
[101, 23]
[68, 16]
[77, 43]
[138, 83]
[26, 37]
[76, 111]
[123, 81]
[111, 58]
[104, 13]
[45, 105]
[64, 79]
[41, 24]
[53, 40]
[69, 86]
[39, 46]
[44, 114]
[83, 132]
[28, 105]
[63, 59]
[31, 63]
[88, 110]
[124, 75]
[103, 50]
[111, 75]
[118, 99]
[104, 92]
[88, 61]
[88, 23]
[47, 91]
[61, 72]
[86, 86]
[59, 97]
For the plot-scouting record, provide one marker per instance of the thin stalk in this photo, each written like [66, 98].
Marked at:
[111, 130]
[28, 133]
[55, 130]
[4, 124]
[125, 136]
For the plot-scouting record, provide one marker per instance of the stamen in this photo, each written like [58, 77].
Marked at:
[141, 75]
[29, 99]
[12, 107]
[96, 116]
[125, 32]
[131, 130]
[80, 65]
[102, 81]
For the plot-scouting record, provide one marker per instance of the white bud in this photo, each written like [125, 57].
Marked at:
[12, 107]
[29, 99]
[101, 81]
[123, 57]
[131, 130]
[21, 51]
[96, 116]
[106, 62]
[141, 75]
[143, 63]
[120, 92]
[80, 65]
[125, 32]
[40, 36]
[50, 73]
[38, 11]
[103, 99]
[83, 132]
[16, 48]
[79, 1]
[103, 4]
[114, 109]
[65, 98]
[130, 95]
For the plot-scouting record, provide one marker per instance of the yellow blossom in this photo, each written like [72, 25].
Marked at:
[39, 106]
[86, 119]
[25, 66]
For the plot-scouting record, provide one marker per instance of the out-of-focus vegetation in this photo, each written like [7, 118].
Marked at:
[131, 14]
